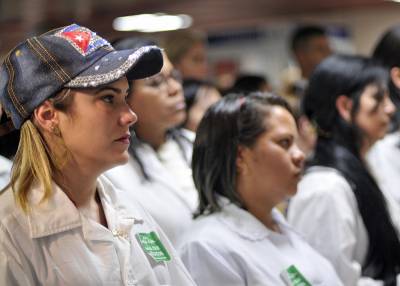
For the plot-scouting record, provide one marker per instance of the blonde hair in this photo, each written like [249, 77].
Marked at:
[178, 43]
[34, 160]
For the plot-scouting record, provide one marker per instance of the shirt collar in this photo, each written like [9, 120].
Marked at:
[245, 224]
[59, 214]
[54, 215]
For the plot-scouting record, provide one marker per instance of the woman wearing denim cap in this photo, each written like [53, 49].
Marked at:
[339, 208]
[61, 223]
[245, 162]
[158, 172]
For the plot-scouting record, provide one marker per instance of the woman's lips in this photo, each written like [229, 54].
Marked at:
[124, 139]
[180, 106]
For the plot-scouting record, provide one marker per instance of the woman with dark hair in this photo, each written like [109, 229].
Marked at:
[158, 173]
[339, 207]
[384, 157]
[199, 96]
[245, 162]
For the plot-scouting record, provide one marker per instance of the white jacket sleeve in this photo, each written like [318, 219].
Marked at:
[208, 267]
[11, 273]
[325, 213]
[11, 270]
[178, 273]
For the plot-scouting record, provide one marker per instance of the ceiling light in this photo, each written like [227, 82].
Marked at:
[149, 23]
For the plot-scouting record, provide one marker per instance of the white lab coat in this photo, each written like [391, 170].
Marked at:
[55, 244]
[5, 170]
[170, 195]
[233, 248]
[325, 212]
[384, 162]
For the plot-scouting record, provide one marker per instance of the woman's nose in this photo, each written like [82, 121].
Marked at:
[174, 87]
[298, 156]
[390, 108]
[129, 117]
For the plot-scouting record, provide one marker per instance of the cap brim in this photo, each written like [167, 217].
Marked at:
[134, 64]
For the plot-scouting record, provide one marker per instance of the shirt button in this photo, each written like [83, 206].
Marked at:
[119, 233]
[131, 278]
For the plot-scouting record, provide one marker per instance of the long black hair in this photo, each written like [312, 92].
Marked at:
[387, 52]
[234, 120]
[338, 146]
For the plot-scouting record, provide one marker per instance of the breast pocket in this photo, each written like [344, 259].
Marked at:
[82, 264]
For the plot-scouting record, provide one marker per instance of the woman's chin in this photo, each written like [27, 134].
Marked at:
[122, 159]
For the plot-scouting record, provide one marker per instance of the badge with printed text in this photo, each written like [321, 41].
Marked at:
[293, 277]
[152, 245]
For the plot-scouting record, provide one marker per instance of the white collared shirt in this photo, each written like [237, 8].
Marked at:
[384, 162]
[169, 196]
[55, 244]
[233, 248]
[325, 212]
[5, 170]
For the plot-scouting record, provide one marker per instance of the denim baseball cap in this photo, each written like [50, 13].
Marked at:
[67, 57]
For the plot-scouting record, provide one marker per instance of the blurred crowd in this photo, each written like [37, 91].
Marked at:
[128, 164]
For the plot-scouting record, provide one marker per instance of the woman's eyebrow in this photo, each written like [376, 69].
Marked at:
[117, 90]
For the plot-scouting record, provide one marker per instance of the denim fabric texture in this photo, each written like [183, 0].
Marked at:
[72, 57]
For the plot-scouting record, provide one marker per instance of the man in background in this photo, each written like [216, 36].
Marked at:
[309, 45]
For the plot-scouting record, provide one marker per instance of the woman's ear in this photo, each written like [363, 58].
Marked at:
[46, 116]
[344, 106]
[395, 76]
[241, 165]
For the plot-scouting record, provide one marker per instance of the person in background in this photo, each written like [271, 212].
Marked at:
[5, 163]
[9, 138]
[309, 45]
[384, 157]
[245, 161]
[339, 208]
[246, 83]
[61, 222]
[199, 96]
[158, 173]
[187, 51]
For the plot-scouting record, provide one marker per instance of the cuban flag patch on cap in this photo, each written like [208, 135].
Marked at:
[82, 39]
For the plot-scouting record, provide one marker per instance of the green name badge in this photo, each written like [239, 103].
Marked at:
[152, 245]
[293, 277]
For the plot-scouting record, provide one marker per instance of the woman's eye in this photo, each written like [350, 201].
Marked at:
[285, 143]
[108, 98]
[155, 81]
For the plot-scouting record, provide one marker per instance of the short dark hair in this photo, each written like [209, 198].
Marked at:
[388, 47]
[302, 34]
[249, 83]
[234, 120]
